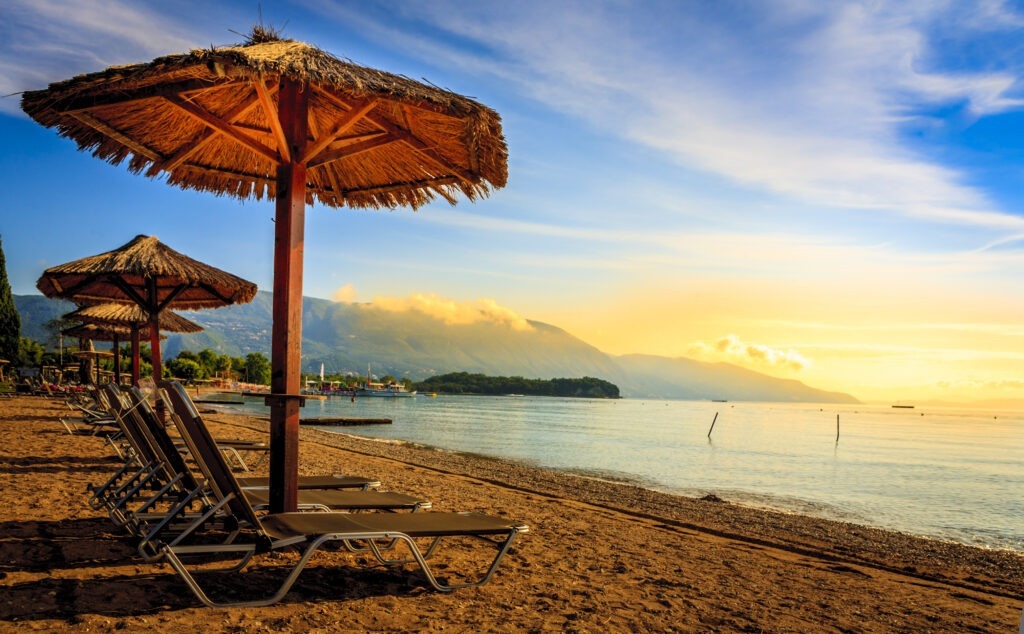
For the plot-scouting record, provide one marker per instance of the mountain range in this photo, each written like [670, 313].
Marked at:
[349, 337]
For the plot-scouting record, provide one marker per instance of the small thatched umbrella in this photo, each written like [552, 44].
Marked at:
[283, 119]
[90, 358]
[150, 274]
[132, 320]
[113, 333]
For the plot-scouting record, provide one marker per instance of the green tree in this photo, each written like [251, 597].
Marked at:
[188, 354]
[10, 320]
[257, 368]
[184, 369]
[223, 366]
[30, 353]
[208, 359]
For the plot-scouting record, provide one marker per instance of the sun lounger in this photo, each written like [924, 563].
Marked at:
[308, 532]
[306, 482]
[151, 440]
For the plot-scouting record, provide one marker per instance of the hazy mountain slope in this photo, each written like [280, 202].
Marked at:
[661, 377]
[348, 337]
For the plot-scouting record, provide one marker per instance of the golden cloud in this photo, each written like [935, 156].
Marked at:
[455, 312]
[732, 349]
[345, 294]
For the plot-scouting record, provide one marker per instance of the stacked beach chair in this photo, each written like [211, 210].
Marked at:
[180, 499]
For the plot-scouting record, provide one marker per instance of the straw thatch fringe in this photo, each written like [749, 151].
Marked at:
[126, 273]
[200, 118]
[100, 332]
[127, 315]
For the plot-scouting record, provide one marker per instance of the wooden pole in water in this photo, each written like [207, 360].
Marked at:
[712, 425]
[837, 428]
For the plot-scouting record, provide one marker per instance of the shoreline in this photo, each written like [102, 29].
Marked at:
[600, 556]
[908, 516]
[791, 530]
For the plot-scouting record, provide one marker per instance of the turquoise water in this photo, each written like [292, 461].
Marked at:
[945, 473]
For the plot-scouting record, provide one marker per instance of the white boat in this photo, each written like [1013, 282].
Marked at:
[380, 389]
[393, 389]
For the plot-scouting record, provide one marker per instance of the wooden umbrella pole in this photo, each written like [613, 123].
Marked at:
[286, 342]
[117, 359]
[135, 355]
[154, 341]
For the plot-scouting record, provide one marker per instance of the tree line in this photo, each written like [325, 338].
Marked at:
[466, 383]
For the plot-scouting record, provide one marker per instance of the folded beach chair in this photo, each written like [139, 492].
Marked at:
[306, 482]
[151, 441]
[308, 532]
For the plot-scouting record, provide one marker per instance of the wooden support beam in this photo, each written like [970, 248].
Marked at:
[203, 139]
[421, 184]
[413, 141]
[216, 123]
[117, 359]
[272, 118]
[118, 136]
[122, 97]
[244, 176]
[161, 304]
[358, 109]
[332, 178]
[421, 146]
[353, 149]
[135, 355]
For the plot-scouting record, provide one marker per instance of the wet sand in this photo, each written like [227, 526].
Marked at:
[599, 557]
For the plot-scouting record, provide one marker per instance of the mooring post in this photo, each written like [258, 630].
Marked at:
[837, 428]
[712, 425]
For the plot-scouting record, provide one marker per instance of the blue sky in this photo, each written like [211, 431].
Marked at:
[823, 191]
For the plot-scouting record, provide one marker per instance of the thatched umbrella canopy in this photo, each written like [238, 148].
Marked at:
[129, 320]
[128, 315]
[95, 332]
[149, 274]
[282, 119]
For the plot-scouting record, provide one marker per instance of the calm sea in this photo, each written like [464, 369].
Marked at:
[948, 473]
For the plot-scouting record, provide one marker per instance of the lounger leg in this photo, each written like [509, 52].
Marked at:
[181, 569]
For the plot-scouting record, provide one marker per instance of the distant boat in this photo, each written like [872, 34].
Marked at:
[393, 389]
[903, 406]
[380, 389]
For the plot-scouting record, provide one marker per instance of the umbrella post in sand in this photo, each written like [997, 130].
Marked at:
[130, 319]
[136, 362]
[276, 117]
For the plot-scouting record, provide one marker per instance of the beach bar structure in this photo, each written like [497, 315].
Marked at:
[277, 118]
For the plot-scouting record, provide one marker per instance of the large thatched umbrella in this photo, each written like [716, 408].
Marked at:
[283, 119]
[150, 274]
[129, 320]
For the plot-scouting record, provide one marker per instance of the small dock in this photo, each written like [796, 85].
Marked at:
[344, 421]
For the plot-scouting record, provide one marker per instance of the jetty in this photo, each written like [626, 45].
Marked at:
[344, 421]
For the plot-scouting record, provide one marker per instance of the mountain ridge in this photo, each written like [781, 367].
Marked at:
[346, 337]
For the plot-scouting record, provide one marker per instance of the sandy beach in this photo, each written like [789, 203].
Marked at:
[599, 557]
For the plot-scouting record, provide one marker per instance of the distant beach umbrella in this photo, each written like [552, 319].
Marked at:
[128, 322]
[149, 274]
[90, 357]
[276, 118]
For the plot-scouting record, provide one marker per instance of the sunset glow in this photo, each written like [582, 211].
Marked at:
[827, 192]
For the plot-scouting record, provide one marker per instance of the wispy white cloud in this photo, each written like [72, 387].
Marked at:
[810, 104]
[732, 349]
[42, 41]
